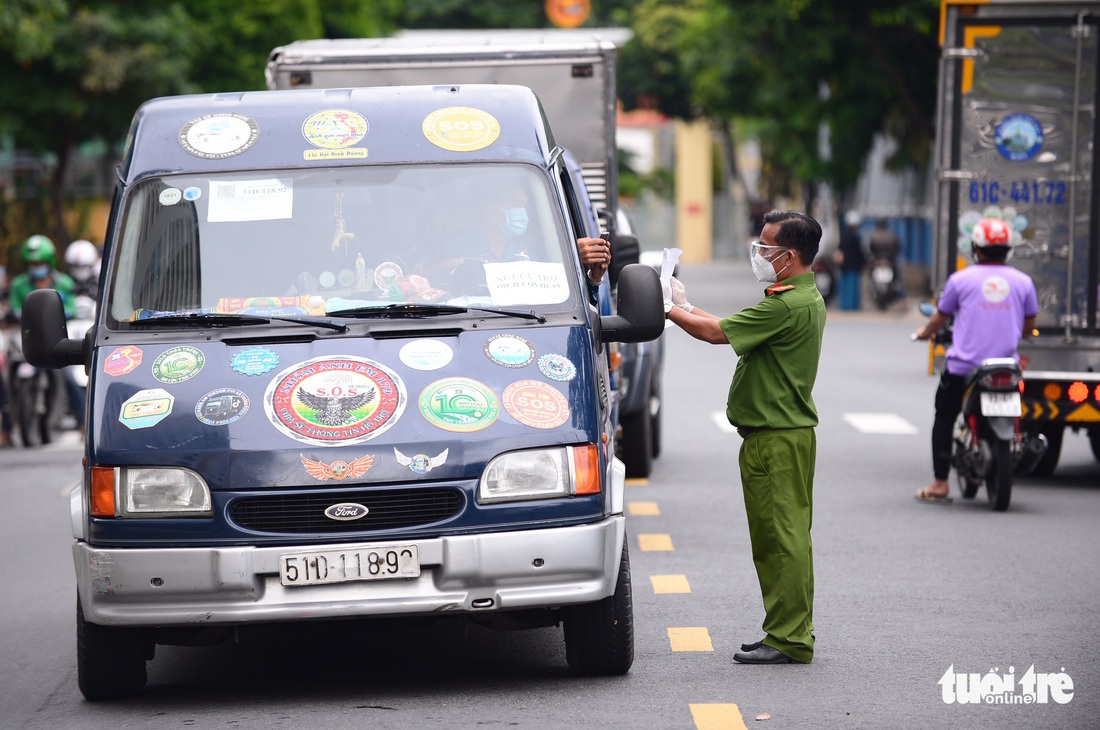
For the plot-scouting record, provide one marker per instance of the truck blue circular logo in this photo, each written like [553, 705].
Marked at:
[1019, 137]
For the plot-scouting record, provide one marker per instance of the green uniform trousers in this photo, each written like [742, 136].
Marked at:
[777, 474]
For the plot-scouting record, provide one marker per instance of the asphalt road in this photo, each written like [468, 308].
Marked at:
[905, 591]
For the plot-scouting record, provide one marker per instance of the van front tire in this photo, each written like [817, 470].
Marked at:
[110, 660]
[599, 637]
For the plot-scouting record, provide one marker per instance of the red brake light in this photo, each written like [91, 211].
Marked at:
[1078, 392]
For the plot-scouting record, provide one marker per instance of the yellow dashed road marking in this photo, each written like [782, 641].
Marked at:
[647, 509]
[717, 717]
[637, 482]
[654, 542]
[690, 638]
[670, 583]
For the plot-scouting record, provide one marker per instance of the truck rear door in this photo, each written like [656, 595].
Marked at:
[1017, 135]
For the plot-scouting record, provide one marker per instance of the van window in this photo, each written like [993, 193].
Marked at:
[314, 241]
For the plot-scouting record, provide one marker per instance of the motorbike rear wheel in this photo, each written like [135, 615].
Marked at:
[24, 397]
[998, 481]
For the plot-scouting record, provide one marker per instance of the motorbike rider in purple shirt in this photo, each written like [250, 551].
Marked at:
[994, 306]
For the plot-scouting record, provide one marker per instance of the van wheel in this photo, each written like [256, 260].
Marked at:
[599, 637]
[636, 445]
[110, 660]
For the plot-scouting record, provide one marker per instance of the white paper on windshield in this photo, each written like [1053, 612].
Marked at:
[668, 263]
[250, 200]
[526, 282]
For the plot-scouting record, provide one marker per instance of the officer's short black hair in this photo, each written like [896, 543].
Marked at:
[798, 232]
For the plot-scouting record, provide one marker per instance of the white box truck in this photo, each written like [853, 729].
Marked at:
[573, 74]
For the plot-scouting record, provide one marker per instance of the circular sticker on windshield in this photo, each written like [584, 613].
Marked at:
[178, 364]
[426, 354]
[215, 136]
[221, 407]
[334, 129]
[536, 404]
[461, 128]
[335, 401]
[511, 351]
[459, 404]
[1019, 137]
[170, 196]
[557, 367]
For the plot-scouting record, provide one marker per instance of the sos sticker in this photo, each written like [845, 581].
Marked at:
[461, 128]
[335, 401]
[535, 404]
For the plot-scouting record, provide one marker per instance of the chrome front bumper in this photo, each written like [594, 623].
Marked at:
[471, 573]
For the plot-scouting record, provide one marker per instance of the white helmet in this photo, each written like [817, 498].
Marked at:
[81, 253]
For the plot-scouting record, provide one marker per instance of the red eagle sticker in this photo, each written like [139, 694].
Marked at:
[337, 469]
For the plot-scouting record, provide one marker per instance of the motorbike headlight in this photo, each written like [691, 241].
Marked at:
[541, 474]
[144, 492]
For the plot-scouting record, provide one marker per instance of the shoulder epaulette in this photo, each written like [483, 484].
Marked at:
[778, 289]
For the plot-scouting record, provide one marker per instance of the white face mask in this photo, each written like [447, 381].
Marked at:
[763, 268]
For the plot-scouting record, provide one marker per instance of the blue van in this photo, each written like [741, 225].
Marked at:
[346, 365]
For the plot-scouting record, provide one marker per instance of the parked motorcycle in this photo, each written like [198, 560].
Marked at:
[884, 287]
[32, 392]
[988, 444]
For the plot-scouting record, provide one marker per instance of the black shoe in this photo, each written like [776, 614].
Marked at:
[753, 646]
[763, 654]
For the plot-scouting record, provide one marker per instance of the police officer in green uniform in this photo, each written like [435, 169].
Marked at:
[778, 342]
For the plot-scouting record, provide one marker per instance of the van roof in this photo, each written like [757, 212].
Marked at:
[325, 127]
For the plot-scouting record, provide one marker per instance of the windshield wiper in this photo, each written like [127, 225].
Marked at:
[430, 310]
[222, 319]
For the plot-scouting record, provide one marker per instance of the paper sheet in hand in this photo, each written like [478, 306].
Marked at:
[668, 263]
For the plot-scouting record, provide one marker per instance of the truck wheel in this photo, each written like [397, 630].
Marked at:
[110, 661]
[636, 445]
[599, 637]
[1094, 441]
[1046, 465]
[655, 423]
[998, 482]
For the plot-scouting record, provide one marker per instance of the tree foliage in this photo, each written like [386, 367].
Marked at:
[790, 67]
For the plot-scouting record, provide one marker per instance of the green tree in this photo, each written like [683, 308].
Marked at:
[784, 68]
[73, 72]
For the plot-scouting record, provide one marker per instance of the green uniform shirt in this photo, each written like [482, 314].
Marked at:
[779, 345]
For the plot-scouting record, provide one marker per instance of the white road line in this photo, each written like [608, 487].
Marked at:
[881, 423]
[723, 424]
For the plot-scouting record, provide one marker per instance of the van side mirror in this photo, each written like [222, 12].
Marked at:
[640, 315]
[46, 342]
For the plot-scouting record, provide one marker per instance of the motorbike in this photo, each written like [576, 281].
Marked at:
[32, 392]
[988, 445]
[884, 288]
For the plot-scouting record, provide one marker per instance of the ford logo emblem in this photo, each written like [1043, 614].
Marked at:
[346, 511]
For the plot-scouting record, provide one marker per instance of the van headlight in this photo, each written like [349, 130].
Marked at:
[148, 491]
[562, 471]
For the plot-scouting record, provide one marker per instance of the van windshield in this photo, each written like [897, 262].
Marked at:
[315, 241]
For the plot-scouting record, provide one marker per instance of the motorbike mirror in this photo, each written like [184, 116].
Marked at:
[927, 309]
[640, 316]
[46, 343]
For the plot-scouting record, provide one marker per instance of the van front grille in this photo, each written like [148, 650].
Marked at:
[386, 510]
